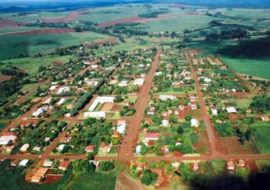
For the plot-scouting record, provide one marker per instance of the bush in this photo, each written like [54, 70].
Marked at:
[106, 166]
[148, 177]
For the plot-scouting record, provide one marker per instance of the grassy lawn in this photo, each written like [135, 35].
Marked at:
[29, 87]
[262, 140]
[2, 126]
[242, 103]
[13, 46]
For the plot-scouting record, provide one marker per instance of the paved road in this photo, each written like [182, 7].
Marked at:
[130, 139]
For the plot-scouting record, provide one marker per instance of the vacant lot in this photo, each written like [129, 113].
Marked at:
[262, 140]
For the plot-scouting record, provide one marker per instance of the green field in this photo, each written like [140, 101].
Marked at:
[31, 65]
[262, 140]
[31, 44]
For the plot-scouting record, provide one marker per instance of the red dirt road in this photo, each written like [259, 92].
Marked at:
[211, 133]
[130, 138]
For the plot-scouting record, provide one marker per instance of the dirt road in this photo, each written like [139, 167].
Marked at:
[130, 138]
[211, 133]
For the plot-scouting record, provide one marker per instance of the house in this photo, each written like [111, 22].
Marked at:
[61, 101]
[193, 106]
[7, 137]
[166, 97]
[230, 165]
[231, 110]
[63, 165]
[158, 73]
[52, 88]
[115, 135]
[23, 163]
[240, 163]
[60, 147]
[176, 165]
[63, 89]
[47, 163]
[195, 166]
[37, 148]
[138, 149]
[39, 175]
[105, 148]
[14, 162]
[123, 83]
[47, 101]
[99, 114]
[40, 110]
[265, 118]
[214, 111]
[138, 82]
[140, 166]
[194, 123]
[121, 126]
[151, 111]
[89, 149]
[9, 148]
[152, 136]
[92, 82]
[165, 123]
[24, 147]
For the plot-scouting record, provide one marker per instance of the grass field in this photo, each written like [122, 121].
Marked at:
[241, 56]
[19, 29]
[31, 65]
[31, 44]
[262, 140]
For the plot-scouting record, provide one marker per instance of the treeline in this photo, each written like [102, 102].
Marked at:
[226, 34]
[153, 14]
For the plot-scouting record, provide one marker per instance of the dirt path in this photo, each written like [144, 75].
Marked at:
[125, 183]
[211, 133]
[130, 138]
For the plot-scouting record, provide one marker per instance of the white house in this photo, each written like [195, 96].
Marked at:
[214, 111]
[23, 163]
[231, 110]
[24, 147]
[194, 123]
[60, 147]
[63, 89]
[61, 101]
[123, 83]
[121, 126]
[138, 82]
[52, 88]
[7, 137]
[40, 110]
[138, 149]
[47, 163]
[101, 99]
[98, 114]
[165, 123]
[166, 97]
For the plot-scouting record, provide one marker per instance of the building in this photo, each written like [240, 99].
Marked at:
[230, 165]
[24, 147]
[152, 136]
[47, 163]
[7, 137]
[121, 126]
[138, 82]
[166, 97]
[89, 149]
[99, 114]
[63, 89]
[40, 110]
[61, 101]
[231, 110]
[23, 163]
[165, 123]
[194, 123]
[123, 83]
[102, 100]
[214, 111]
[63, 165]
[39, 175]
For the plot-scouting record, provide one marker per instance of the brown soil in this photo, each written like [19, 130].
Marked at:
[67, 18]
[231, 145]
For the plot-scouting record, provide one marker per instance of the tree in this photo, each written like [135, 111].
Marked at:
[144, 150]
[148, 177]
[188, 117]
[106, 166]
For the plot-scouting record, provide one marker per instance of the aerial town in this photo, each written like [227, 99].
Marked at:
[159, 115]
